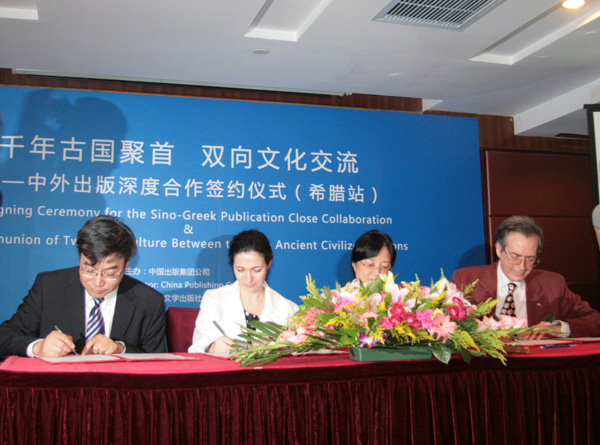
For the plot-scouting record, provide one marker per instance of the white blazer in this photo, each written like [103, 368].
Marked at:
[224, 306]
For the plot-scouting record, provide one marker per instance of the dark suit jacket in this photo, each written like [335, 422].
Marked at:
[57, 298]
[547, 293]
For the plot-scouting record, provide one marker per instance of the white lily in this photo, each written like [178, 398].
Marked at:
[441, 284]
[388, 281]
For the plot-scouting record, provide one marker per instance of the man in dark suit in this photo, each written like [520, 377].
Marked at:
[541, 297]
[92, 308]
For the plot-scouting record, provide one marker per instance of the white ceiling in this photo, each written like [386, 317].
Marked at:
[528, 59]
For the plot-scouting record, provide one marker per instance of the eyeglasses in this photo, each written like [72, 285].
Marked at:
[108, 276]
[370, 266]
[514, 259]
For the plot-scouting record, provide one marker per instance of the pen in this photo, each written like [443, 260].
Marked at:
[58, 329]
[220, 328]
[557, 346]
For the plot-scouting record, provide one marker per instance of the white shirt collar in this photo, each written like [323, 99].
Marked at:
[503, 280]
[107, 297]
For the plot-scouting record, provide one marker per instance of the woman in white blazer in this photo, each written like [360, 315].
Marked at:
[248, 298]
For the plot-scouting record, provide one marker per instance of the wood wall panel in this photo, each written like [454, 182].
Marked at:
[556, 190]
[570, 247]
[497, 133]
[539, 184]
[365, 101]
[588, 292]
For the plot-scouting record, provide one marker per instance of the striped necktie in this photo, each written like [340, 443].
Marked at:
[508, 308]
[95, 323]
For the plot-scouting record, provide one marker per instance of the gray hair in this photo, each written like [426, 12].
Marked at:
[521, 224]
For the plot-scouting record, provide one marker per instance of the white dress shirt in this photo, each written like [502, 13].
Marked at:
[107, 308]
[520, 297]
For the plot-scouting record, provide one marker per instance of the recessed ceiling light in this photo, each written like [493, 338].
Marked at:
[573, 4]
[261, 51]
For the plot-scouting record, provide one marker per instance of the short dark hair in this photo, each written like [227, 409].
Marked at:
[523, 225]
[105, 235]
[369, 244]
[250, 241]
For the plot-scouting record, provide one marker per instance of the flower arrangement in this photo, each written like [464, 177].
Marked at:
[383, 314]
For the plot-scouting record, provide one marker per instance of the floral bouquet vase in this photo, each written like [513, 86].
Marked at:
[383, 320]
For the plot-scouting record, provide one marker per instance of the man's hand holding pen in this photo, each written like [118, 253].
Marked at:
[59, 344]
[56, 344]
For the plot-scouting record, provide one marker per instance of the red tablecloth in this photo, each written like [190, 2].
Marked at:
[207, 364]
[546, 396]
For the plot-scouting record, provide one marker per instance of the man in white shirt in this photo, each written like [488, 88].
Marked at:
[537, 295]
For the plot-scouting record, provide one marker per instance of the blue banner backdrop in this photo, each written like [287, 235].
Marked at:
[187, 174]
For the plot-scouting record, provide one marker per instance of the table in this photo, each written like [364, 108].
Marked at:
[547, 396]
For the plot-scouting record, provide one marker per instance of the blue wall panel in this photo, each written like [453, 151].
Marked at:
[186, 171]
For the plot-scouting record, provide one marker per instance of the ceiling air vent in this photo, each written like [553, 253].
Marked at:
[447, 14]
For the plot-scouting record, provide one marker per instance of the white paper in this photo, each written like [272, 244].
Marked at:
[81, 358]
[115, 357]
[150, 356]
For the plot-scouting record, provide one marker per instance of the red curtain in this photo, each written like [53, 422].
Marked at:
[529, 401]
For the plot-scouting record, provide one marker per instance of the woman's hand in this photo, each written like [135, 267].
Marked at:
[221, 345]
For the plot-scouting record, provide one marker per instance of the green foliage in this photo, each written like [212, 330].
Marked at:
[442, 352]
[380, 314]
